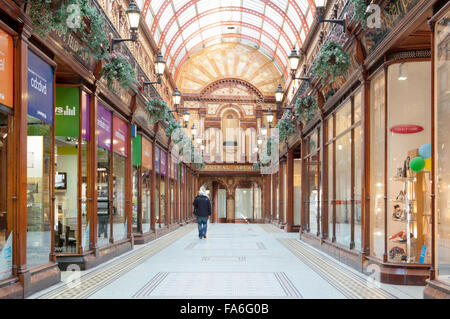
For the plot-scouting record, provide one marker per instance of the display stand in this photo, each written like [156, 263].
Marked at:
[413, 207]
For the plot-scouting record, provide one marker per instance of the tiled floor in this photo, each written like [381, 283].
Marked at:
[235, 261]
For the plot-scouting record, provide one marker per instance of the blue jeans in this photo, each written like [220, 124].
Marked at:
[202, 225]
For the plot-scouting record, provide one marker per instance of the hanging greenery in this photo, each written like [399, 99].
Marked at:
[360, 14]
[332, 61]
[156, 109]
[65, 15]
[119, 68]
[265, 157]
[286, 126]
[305, 109]
[171, 127]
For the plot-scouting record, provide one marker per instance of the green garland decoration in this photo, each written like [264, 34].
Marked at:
[54, 16]
[156, 109]
[332, 61]
[360, 14]
[305, 109]
[265, 157]
[172, 125]
[119, 68]
[286, 126]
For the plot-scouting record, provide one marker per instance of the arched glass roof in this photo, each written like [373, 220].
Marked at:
[183, 27]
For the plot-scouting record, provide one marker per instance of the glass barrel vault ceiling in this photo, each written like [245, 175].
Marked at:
[183, 27]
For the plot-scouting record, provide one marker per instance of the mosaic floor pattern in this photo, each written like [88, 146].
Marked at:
[234, 261]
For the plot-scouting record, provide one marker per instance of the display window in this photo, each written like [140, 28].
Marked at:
[104, 170]
[147, 165]
[135, 182]
[284, 192]
[400, 177]
[408, 187]
[297, 190]
[162, 189]
[39, 159]
[120, 153]
[6, 220]
[67, 142]
[344, 173]
[157, 187]
[377, 164]
[442, 142]
[312, 181]
[6, 118]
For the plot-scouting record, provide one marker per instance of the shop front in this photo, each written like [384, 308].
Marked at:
[439, 284]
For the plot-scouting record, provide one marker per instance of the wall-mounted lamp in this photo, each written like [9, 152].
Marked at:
[160, 65]
[134, 14]
[294, 61]
[193, 130]
[264, 130]
[320, 14]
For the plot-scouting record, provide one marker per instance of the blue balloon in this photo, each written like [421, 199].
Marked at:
[425, 151]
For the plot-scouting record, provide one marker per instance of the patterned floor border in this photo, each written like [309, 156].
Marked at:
[288, 287]
[269, 228]
[348, 283]
[94, 281]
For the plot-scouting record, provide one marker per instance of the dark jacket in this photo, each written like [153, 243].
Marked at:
[202, 206]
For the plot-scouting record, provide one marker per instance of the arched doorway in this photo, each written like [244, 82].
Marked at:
[248, 202]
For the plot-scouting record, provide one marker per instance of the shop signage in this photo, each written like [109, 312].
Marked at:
[137, 150]
[157, 156]
[120, 136]
[85, 115]
[406, 129]
[73, 45]
[225, 167]
[163, 163]
[146, 153]
[391, 14]
[6, 69]
[40, 88]
[104, 127]
[67, 111]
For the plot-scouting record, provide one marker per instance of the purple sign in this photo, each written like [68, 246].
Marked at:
[157, 151]
[182, 174]
[104, 127]
[163, 163]
[40, 88]
[85, 115]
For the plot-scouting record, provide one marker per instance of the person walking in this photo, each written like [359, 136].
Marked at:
[202, 209]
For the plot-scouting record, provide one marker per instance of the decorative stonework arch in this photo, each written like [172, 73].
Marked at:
[235, 107]
[232, 83]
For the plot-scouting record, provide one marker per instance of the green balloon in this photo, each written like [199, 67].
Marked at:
[417, 164]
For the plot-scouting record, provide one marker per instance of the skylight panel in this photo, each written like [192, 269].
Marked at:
[211, 32]
[192, 43]
[149, 19]
[178, 4]
[284, 45]
[250, 32]
[140, 4]
[270, 29]
[210, 18]
[309, 18]
[172, 31]
[205, 5]
[230, 3]
[256, 5]
[176, 45]
[302, 35]
[156, 4]
[252, 19]
[190, 30]
[268, 41]
[272, 14]
[187, 15]
[289, 33]
[295, 18]
[281, 3]
[165, 18]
